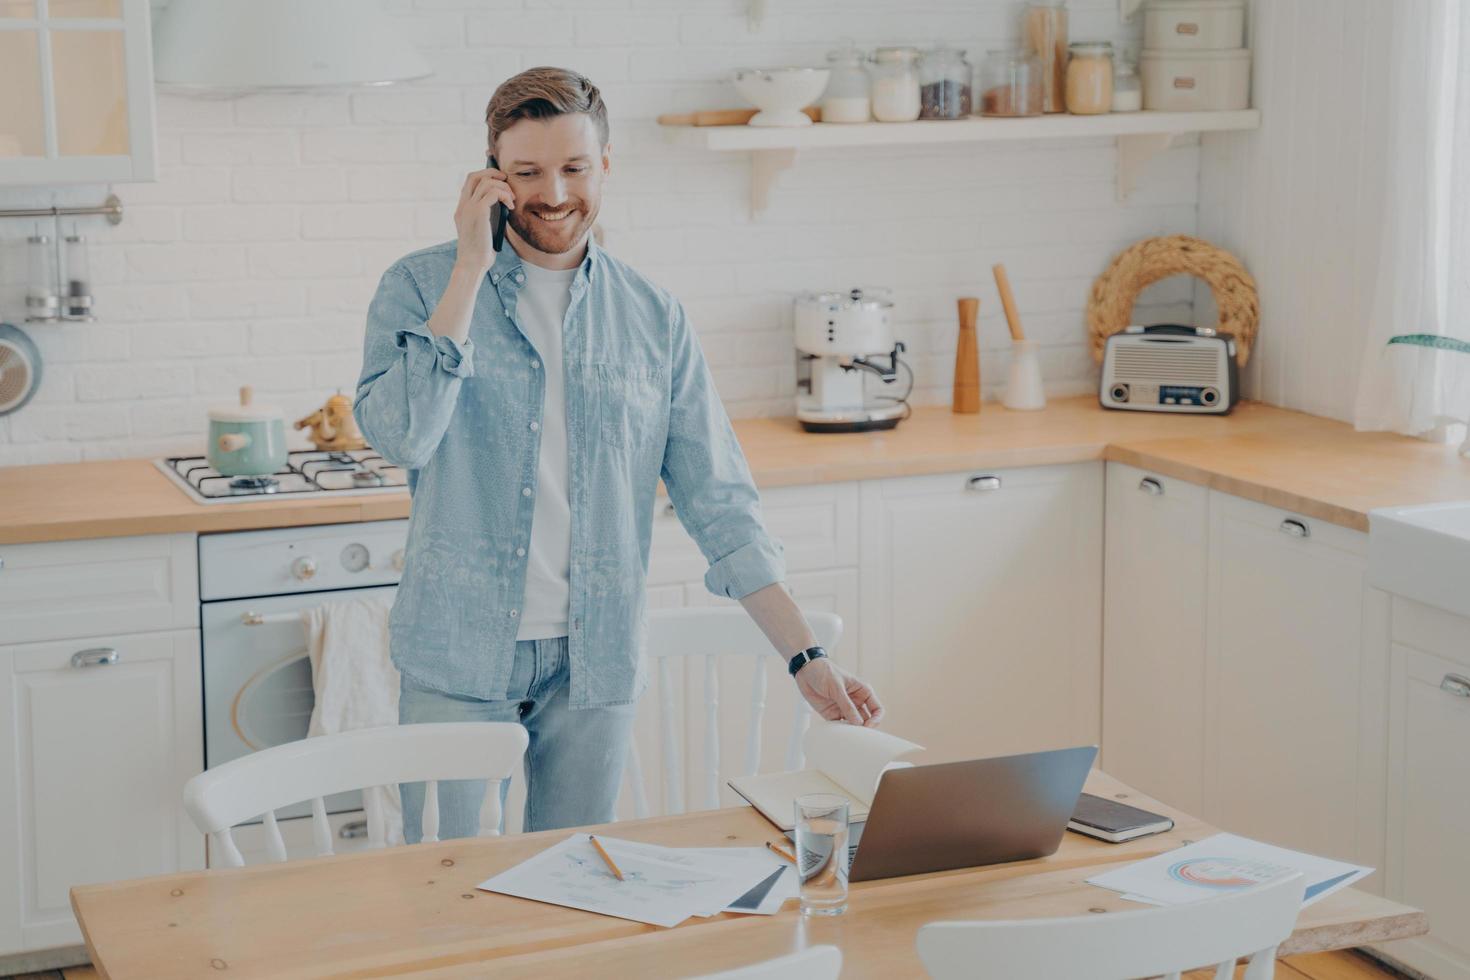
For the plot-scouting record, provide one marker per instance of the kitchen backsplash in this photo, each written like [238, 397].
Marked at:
[253, 258]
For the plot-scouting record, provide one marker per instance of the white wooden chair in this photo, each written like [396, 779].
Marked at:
[709, 635]
[314, 768]
[817, 963]
[1123, 945]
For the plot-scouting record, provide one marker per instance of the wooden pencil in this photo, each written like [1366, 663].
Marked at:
[606, 857]
[776, 848]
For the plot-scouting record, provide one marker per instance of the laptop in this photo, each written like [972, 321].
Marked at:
[968, 814]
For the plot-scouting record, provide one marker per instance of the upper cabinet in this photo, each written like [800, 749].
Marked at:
[78, 82]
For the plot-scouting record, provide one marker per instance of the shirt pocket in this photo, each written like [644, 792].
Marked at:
[629, 404]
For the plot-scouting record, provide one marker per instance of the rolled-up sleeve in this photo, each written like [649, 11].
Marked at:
[410, 378]
[708, 479]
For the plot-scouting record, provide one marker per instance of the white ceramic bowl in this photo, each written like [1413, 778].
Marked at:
[781, 93]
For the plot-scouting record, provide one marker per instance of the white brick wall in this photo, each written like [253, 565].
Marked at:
[253, 257]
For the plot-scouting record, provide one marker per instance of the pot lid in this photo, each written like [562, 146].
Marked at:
[247, 410]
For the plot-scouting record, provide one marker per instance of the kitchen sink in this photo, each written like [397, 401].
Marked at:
[1422, 553]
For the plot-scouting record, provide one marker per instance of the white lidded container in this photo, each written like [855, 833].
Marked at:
[1194, 25]
[1196, 81]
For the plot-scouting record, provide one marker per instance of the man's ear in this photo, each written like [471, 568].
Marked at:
[607, 159]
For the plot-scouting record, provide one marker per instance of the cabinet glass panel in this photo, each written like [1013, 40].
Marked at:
[85, 8]
[17, 8]
[22, 123]
[91, 93]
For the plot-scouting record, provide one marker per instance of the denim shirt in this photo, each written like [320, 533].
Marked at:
[464, 421]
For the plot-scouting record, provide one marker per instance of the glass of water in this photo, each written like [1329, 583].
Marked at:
[821, 850]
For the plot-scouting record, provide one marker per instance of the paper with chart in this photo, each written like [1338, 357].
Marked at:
[1221, 864]
[763, 898]
[659, 892]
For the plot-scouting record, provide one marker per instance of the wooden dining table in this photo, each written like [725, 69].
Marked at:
[415, 911]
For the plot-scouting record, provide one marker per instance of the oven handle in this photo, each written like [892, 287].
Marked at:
[268, 619]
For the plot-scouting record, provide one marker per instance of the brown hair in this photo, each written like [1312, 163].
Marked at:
[543, 93]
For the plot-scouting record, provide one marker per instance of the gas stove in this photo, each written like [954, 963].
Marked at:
[310, 473]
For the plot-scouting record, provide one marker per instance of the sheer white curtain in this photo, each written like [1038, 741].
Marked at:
[1423, 282]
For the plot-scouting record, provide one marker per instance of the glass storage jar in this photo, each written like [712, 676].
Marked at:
[1046, 34]
[43, 303]
[1008, 83]
[944, 84]
[1127, 89]
[1090, 79]
[895, 84]
[847, 99]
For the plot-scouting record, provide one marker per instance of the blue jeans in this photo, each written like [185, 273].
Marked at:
[574, 761]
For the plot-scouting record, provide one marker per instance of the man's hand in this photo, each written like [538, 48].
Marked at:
[482, 190]
[838, 696]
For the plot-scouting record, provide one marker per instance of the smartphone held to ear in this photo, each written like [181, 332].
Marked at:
[497, 213]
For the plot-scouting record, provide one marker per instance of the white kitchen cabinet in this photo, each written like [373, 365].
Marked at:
[817, 526]
[1154, 574]
[94, 757]
[78, 82]
[1295, 681]
[1428, 863]
[60, 589]
[982, 606]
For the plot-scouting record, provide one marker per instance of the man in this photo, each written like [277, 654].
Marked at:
[536, 396]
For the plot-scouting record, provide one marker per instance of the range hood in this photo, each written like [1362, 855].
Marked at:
[254, 45]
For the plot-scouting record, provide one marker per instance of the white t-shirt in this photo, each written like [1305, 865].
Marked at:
[541, 309]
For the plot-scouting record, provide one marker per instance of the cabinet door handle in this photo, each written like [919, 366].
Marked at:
[1151, 486]
[983, 483]
[1456, 685]
[1296, 529]
[95, 657]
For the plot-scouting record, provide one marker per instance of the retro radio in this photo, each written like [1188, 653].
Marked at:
[1170, 368]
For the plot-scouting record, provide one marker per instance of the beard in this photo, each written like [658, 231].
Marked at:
[553, 237]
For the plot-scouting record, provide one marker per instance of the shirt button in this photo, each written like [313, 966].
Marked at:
[520, 552]
[535, 365]
[535, 426]
[514, 613]
[520, 277]
[525, 491]
[505, 310]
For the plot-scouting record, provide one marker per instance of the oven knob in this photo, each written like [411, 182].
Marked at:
[398, 560]
[304, 568]
[355, 557]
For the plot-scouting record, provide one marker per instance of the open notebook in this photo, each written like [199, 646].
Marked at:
[841, 759]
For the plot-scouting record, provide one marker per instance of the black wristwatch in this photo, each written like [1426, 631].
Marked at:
[805, 657]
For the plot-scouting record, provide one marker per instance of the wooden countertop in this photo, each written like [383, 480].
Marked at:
[415, 911]
[1313, 466]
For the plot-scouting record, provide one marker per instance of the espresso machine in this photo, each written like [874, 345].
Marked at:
[842, 340]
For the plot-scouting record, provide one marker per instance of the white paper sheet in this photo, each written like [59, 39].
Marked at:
[855, 758]
[1221, 864]
[785, 887]
[659, 892]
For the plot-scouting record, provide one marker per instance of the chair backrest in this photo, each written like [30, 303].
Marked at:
[703, 637]
[817, 963]
[1124, 945]
[314, 768]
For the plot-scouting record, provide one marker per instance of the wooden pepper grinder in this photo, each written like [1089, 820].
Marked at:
[967, 360]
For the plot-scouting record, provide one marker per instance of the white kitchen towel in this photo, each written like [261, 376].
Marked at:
[356, 686]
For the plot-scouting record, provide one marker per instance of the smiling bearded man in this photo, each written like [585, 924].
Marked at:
[536, 395]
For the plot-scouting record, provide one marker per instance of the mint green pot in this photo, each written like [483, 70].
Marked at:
[246, 440]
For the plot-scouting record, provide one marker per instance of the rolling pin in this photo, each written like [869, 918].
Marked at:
[723, 117]
[1013, 319]
[967, 360]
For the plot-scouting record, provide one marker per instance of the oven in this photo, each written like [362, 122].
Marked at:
[257, 678]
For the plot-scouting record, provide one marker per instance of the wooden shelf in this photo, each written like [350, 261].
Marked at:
[1140, 136]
